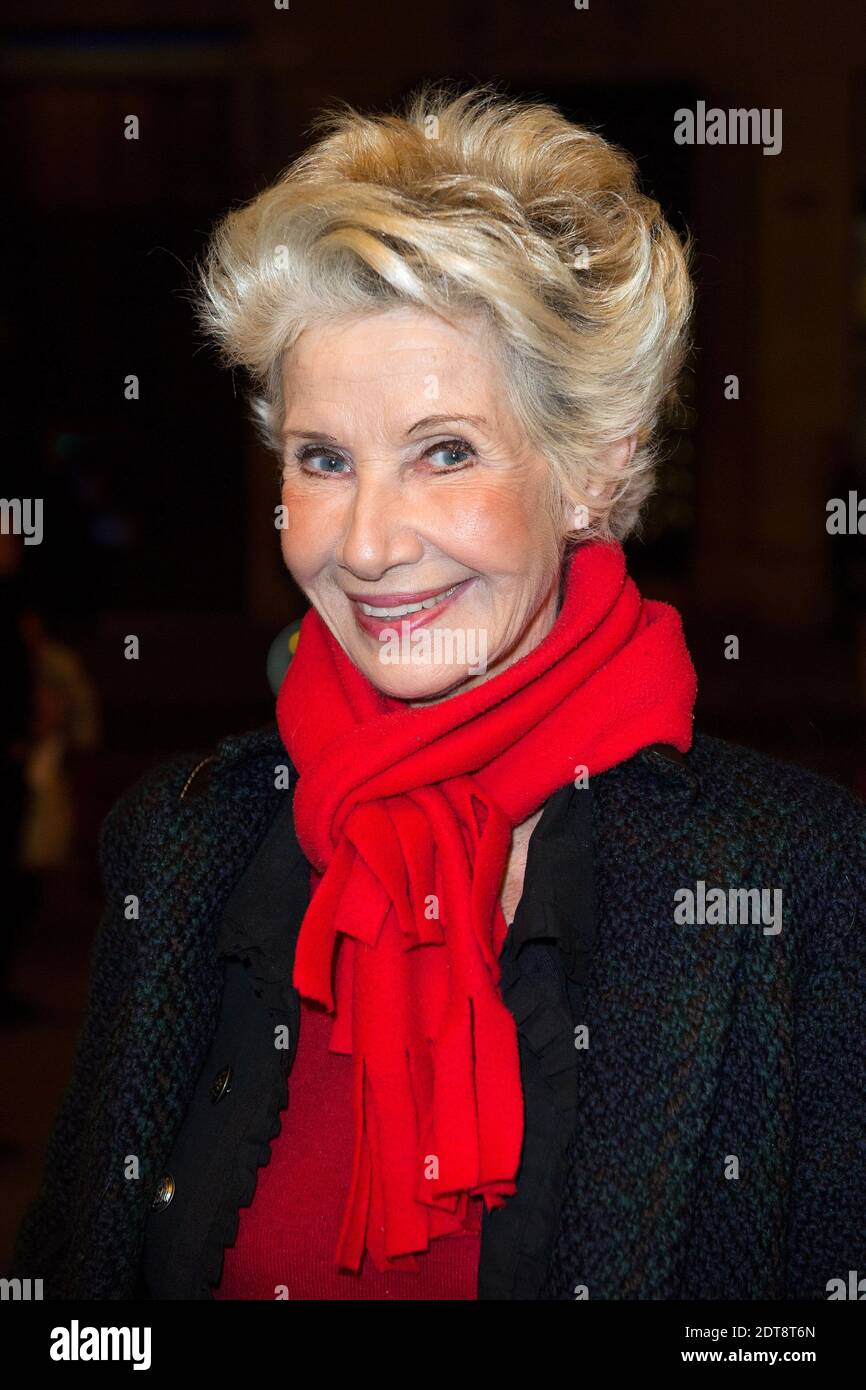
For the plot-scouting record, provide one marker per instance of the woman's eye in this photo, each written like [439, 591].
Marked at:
[450, 456]
[308, 456]
[456, 451]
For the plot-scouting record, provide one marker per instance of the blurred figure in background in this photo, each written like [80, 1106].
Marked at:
[65, 725]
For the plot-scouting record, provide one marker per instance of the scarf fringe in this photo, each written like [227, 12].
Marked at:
[471, 1147]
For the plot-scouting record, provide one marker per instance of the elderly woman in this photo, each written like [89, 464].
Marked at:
[479, 973]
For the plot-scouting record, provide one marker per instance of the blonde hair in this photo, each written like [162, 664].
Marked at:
[473, 202]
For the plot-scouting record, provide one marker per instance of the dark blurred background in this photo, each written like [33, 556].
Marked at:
[158, 513]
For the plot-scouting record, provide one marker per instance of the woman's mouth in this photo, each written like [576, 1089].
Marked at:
[377, 617]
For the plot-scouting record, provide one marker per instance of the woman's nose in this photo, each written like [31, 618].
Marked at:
[379, 531]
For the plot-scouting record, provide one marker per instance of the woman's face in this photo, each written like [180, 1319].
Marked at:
[406, 480]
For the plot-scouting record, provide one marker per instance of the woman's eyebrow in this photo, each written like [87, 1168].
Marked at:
[322, 438]
[309, 434]
[446, 419]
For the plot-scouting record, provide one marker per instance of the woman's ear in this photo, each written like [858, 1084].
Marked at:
[616, 457]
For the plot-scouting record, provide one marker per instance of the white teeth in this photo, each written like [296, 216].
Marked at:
[407, 608]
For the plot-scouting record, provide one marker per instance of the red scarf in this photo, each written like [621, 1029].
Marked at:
[405, 814]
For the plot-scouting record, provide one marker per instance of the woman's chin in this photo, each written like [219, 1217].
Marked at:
[417, 684]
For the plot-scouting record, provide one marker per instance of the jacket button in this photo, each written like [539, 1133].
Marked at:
[164, 1192]
[222, 1084]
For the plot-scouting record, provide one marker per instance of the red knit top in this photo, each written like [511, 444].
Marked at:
[288, 1234]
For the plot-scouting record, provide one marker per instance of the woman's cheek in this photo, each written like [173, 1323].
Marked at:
[293, 530]
[493, 519]
[305, 525]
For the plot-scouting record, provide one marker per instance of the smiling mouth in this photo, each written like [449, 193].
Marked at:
[403, 610]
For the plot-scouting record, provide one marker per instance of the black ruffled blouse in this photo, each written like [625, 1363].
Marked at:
[235, 1110]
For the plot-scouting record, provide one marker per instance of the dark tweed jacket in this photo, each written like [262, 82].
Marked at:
[708, 1043]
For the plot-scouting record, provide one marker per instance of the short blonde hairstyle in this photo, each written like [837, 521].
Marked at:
[473, 202]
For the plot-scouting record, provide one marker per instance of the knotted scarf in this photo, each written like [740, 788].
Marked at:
[406, 815]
